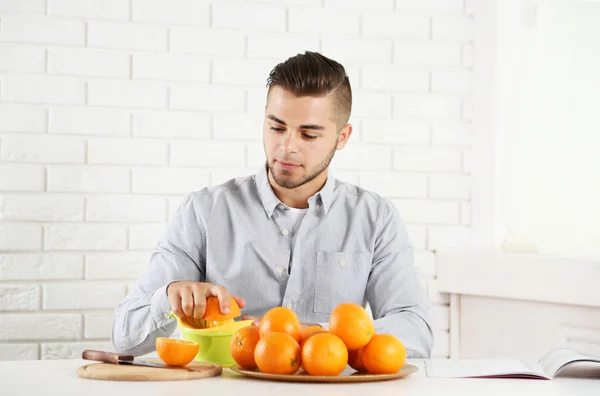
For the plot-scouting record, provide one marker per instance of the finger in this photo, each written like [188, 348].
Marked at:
[175, 303]
[256, 323]
[199, 303]
[244, 317]
[241, 302]
[223, 296]
[187, 302]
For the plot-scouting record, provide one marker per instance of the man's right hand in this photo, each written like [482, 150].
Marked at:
[188, 299]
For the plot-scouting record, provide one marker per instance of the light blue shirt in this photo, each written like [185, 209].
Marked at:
[350, 246]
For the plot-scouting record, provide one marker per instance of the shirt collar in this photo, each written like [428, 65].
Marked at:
[270, 200]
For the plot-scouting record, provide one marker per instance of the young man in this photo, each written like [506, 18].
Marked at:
[291, 235]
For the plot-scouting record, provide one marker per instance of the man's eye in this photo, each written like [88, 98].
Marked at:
[277, 129]
[310, 136]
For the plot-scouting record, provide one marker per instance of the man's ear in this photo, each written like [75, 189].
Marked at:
[343, 136]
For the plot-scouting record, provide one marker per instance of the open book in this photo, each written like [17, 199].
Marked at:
[546, 368]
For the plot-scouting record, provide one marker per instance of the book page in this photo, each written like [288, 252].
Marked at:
[464, 368]
[556, 359]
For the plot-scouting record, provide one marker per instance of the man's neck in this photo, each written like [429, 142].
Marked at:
[298, 197]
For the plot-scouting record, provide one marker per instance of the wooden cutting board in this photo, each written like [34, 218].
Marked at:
[116, 372]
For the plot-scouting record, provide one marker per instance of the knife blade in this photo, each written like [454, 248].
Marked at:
[117, 358]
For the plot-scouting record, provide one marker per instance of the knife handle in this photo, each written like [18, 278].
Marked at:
[106, 357]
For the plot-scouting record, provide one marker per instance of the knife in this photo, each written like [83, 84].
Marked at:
[116, 358]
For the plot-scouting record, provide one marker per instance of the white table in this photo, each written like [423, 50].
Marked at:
[59, 377]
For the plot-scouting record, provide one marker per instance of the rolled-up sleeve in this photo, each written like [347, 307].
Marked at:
[144, 315]
[395, 294]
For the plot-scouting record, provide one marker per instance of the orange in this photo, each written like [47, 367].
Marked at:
[277, 353]
[307, 332]
[281, 319]
[384, 354]
[324, 354]
[242, 346]
[213, 317]
[355, 359]
[176, 352]
[352, 324]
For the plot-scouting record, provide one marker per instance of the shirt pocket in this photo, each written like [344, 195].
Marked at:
[341, 277]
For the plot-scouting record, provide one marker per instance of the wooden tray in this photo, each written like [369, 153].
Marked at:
[348, 375]
[116, 372]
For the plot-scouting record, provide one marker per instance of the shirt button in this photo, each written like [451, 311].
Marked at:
[167, 316]
[279, 269]
[342, 262]
[285, 232]
[289, 305]
[318, 206]
[142, 335]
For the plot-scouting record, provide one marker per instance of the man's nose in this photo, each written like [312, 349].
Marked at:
[289, 142]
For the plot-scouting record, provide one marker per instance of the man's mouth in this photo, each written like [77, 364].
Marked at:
[288, 165]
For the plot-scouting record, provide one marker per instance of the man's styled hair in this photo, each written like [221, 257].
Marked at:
[312, 74]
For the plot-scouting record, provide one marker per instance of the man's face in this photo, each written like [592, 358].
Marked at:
[300, 137]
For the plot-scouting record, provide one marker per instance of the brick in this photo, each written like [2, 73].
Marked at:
[238, 126]
[371, 104]
[168, 180]
[126, 151]
[426, 106]
[361, 4]
[467, 56]
[356, 157]
[19, 297]
[207, 153]
[83, 295]
[97, 325]
[126, 266]
[400, 185]
[90, 9]
[72, 350]
[451, 134]
[141, 94]
[220, 176]
[432, 6]
[171, 67]
[394, 79]
[427, 159]
[467, 161]
[357, 50]
[207, 97]
[122, 208]
[22, 58]
[212, 42]
[256, 155]
[470, 7]
[42, 89]
[18, 177]
[235, 16]
[88, 179]
[172, 124]
[65, 326]
[441, 237]
[418, 237]
[446, 81]
[241, 72]
[21, 267]
[441, 344]
[280, 45]
[177, 12]
[467, 109]
[426, 262]
[23, 118]
[42, 29]
[465, 213]
[126, 36]
[23, 6]
[42, 148]
[452, 28]
[19, 352]
[395, 25]
[429, 212]
[440, 317]
[20, 237]
[88, 62]
[43, 207]
[85, 237]
[256, 100]
[323, 21]
[89, 121]
[394, 131]
[145, 237]
[427, 53]
[452, 186]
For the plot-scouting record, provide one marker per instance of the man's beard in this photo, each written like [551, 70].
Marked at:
[288, 183]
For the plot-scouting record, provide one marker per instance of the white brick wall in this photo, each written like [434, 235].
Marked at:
[112, 110]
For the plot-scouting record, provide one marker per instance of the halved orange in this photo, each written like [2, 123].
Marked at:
[176, 352]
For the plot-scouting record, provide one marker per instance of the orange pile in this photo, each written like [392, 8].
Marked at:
[282, 345]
